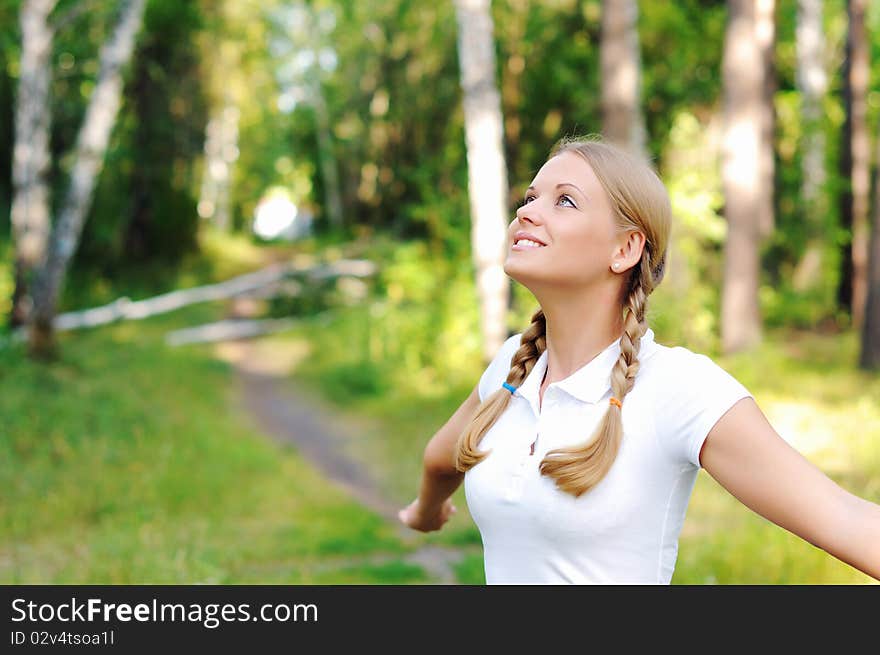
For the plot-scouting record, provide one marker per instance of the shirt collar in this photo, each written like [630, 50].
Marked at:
[590, 382]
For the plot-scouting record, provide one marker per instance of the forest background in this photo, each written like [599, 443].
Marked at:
[127, 459]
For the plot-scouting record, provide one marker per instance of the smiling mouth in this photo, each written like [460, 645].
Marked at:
[527, 243]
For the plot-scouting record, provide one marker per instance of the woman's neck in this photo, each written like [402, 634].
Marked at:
[579, 327]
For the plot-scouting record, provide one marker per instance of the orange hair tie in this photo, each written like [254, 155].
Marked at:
[615, 401]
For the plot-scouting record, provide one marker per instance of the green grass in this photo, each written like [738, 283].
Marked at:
[470, 570]
[125, 462]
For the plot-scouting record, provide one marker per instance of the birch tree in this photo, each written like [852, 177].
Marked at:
[622, 120]
[88, 158]
[743, 89]
[30, 211]
[487, 171]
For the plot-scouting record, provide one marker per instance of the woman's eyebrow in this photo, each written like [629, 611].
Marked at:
[562, 184]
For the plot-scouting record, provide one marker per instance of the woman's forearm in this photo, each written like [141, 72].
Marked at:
[440, 478]
[863, 543]
[435, 488]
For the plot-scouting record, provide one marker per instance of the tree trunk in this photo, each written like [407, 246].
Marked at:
[870, 355]
[30, 210]
[855, 165]
[812, 82]
[622, 120]
[742, 178]
[91, 146]
[765, 36]
[487, 171]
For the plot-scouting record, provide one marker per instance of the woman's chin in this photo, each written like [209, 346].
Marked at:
[511, 270]
[521, 273]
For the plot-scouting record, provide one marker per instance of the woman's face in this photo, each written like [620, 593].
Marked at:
[566, 209]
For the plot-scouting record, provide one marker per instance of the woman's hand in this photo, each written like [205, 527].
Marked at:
[414, 516]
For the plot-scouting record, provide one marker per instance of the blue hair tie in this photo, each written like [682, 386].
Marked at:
[509, 388]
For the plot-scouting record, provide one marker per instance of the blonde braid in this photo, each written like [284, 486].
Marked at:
[578, 469]
[532, 343]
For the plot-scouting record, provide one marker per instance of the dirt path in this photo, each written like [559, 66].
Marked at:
[292, 415]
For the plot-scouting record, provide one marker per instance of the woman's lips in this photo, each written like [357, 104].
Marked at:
[517, 246]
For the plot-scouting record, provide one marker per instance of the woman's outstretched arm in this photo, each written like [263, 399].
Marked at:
[440, 479]
[748, 458]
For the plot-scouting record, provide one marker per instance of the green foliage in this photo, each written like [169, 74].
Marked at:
[7, 282]
[7, 130]
[420, 314]
[145, 204]
[393, 102]
[540, 106]
[684, 308]
[799, 227]
[270, 154]
[356, 380]
[681, 45]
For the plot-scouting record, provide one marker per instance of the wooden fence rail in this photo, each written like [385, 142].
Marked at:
[271, 276]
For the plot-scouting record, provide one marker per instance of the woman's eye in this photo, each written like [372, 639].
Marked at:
[563, 199]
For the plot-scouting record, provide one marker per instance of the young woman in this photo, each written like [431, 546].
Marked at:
[581, 443]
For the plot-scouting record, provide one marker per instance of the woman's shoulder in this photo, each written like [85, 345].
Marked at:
[674, 360]
[690, 391]
[676, 375]
[669, 369]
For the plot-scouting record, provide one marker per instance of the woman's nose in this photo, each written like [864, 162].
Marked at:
[530, 213]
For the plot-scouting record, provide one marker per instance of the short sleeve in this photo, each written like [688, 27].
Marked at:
[496, 373]
[695, 392]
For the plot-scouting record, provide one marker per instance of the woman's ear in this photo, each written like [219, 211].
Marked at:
[629, 252]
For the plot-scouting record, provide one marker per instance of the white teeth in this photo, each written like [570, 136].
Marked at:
[529, 243]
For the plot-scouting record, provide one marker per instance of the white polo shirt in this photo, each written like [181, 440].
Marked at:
[625, 529]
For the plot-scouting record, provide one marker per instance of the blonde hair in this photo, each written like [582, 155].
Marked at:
[640, 202]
